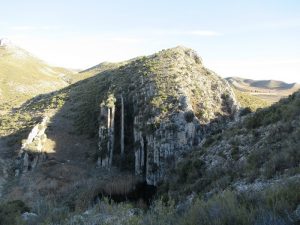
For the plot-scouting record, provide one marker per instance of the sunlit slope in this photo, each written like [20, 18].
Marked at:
[23, 76]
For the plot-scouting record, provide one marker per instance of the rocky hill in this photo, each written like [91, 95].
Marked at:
[156, 127]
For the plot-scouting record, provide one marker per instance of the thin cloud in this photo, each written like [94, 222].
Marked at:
[125, 39]
[33, 28]
[283, 24]
[203, 33]
[257, 62]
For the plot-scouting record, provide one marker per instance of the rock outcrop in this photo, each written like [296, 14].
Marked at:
[106, 131]
[31, 151]
[158, 108]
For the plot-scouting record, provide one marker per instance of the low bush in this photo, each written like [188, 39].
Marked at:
[10, 212]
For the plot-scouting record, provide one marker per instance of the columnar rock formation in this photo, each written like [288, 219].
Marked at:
[165, 107]
[106, 131]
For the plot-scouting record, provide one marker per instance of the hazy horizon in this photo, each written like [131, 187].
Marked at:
[257, 40]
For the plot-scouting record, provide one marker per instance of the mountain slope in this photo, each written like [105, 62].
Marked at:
[23, 76]
[262, 146]
[168, 103]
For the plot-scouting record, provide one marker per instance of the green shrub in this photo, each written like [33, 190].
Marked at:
[283, 198]
[235, 152]
[221, 209]
[285, 110]
[190, 170]
[10, 212]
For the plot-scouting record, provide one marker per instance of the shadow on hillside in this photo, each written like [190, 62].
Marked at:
[74, 126]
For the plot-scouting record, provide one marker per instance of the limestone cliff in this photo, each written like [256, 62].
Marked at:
[156, 108]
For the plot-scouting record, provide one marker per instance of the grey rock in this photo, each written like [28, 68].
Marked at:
[31, 151]
[29, 218]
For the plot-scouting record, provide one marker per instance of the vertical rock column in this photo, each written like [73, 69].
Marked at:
[139, 148]
[122, 126]
[111, 135]
[106, 131]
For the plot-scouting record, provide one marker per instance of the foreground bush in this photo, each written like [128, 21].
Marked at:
[274, 205]
[10, 212]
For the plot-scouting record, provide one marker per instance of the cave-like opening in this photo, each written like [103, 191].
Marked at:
[141, 193]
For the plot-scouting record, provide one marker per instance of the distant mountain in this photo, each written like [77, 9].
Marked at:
[23, 76]
[269, 90]
[269, 84]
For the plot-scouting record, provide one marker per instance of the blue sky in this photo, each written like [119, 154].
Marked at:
[257, 39]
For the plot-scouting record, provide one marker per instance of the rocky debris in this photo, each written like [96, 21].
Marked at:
[260, 184]
[31, 151]
[104, 214]
[157, 117]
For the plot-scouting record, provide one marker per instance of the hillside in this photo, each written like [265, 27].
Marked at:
[268, 90]
[262, 145]
[23, 76]
[162, 98]
[158, 139]
[254, 163]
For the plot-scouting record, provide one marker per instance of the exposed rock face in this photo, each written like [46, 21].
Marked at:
[106, 131]
[161, 111]
[31, 151]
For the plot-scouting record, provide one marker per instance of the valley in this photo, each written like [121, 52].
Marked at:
[269, 90]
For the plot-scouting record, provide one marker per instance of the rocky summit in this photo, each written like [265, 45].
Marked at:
[157, 139]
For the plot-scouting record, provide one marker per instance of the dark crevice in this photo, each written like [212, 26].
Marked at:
[142, 193]
[127, 161]
[145, 156]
